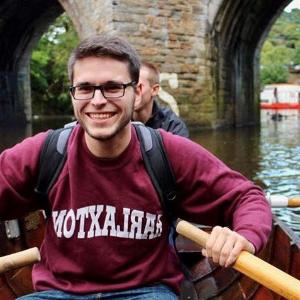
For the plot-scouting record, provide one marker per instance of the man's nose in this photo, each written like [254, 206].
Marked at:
[98, 98]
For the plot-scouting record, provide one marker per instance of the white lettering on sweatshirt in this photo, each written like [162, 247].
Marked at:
[85, 223]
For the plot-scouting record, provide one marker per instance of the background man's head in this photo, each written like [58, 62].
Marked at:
[149, 80]
[106, 46]
[150, 72]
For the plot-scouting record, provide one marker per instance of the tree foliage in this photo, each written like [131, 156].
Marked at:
[281, 51]
[49, 80]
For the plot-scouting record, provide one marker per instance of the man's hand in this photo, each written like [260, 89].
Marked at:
[225, 245]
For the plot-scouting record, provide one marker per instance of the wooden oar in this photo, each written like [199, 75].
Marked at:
[19, 259]
[262, 272]
[283, 201]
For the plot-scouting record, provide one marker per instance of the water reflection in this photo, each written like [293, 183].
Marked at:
[14, 134]
[268, 155]
[239, 148]
[280, 161]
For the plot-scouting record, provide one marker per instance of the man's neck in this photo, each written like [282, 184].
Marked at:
[109, 148]
[144, 114]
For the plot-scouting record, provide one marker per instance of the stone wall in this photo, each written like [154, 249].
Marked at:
[209, 47]
[170, 34]
[207, 50]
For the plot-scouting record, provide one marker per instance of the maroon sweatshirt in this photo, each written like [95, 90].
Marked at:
[108, 231]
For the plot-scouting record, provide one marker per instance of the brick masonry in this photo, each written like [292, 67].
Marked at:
[171, 34]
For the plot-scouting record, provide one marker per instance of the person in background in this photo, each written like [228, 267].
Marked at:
[146, 108]
[108, 235]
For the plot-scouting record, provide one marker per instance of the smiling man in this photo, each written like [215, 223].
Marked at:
[108, 234]
[102, 119]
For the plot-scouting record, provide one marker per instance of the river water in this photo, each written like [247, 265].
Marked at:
[269, 155]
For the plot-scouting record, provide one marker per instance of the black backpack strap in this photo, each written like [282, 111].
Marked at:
[158, 167]
[52, 159]
[163, 179]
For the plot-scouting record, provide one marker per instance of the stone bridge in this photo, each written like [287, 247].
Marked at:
[210, 47]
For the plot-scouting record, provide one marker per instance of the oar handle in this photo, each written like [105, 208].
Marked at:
[19, 259]
[294, 202]
[283, 201]
[276, 280]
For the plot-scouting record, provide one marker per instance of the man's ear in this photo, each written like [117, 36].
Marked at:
[155, 89]
[138, 95]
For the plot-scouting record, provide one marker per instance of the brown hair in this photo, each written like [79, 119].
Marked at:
[105, 45]
[153, 72]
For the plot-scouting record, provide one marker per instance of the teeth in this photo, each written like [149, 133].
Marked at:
[101, 116]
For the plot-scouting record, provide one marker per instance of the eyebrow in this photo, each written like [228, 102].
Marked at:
[83, 83]
[91, 84]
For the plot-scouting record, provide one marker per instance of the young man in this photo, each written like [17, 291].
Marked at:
[108, 234]
[146, 109]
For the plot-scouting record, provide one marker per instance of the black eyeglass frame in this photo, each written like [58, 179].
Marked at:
[101, 88]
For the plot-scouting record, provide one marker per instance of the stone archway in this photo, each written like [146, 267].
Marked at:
[22, 24]
[237, 34]
[211, 46]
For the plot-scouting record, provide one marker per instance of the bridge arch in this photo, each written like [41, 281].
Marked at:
[238, 30]
[21, 25]
[212, 45]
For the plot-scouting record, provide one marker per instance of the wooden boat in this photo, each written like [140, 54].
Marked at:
[213, 282]
[208, 280]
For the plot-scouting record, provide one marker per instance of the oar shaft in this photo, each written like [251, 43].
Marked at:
[273, 278]
[250, 265]
[19, 259]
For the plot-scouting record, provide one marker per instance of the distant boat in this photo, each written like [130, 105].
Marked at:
[280, 96]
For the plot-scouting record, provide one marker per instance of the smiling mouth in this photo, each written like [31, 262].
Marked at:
[101, 116]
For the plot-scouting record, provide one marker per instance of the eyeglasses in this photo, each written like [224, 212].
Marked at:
[108, 90]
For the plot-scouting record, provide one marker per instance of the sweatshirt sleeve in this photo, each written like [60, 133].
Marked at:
[18, 176]
[211, 193]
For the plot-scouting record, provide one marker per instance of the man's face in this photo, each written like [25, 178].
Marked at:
[146, 86]
[148, 91]
[102, 119]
